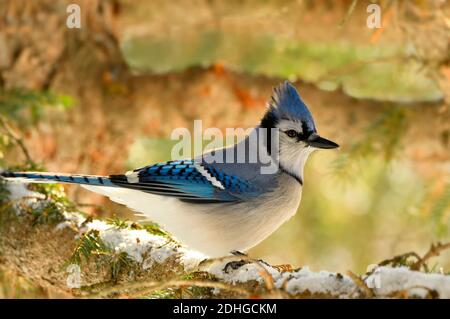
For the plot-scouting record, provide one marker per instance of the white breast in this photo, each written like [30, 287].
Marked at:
[213, 229]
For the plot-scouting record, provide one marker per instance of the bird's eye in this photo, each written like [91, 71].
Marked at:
[291, 133]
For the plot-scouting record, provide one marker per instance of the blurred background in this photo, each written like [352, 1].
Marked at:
[105, 98]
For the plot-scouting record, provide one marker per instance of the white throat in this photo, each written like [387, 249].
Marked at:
[293, 160]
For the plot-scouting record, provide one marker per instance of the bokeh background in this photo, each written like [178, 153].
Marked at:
[104, 99]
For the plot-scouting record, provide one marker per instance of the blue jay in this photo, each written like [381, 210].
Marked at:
[218, 207]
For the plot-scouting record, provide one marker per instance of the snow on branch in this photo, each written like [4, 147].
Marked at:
[47, 240]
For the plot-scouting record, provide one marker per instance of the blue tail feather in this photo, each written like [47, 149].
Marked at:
[37, 177]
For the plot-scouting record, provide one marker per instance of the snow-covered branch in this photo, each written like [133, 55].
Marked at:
[74, 255]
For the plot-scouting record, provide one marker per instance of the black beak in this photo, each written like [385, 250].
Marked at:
[317, 141]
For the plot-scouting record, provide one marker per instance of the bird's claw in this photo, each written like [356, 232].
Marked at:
[235, 264]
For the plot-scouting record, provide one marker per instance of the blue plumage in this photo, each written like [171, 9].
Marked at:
[172, 170]
[286, 103]
[230, 182]
[58, 177]
[186, 180]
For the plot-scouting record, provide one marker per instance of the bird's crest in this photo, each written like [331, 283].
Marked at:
[286, 103]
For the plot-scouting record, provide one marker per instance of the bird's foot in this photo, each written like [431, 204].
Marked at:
[233, 265]
[236, 264]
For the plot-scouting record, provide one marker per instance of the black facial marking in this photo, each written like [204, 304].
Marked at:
[299, 136]
[292, 175]
[306, 131]
[268, 122]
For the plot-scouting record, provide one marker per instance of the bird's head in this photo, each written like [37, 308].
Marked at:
[298, 136]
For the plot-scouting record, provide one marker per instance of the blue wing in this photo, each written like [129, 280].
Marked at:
[186, 180]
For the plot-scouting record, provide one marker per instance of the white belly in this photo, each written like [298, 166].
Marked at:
[213, 229]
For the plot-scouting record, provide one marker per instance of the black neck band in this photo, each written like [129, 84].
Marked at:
[292, 175]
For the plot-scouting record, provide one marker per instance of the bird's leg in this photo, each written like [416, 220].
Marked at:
[238, 253]
[239, 263]
[236, 264]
